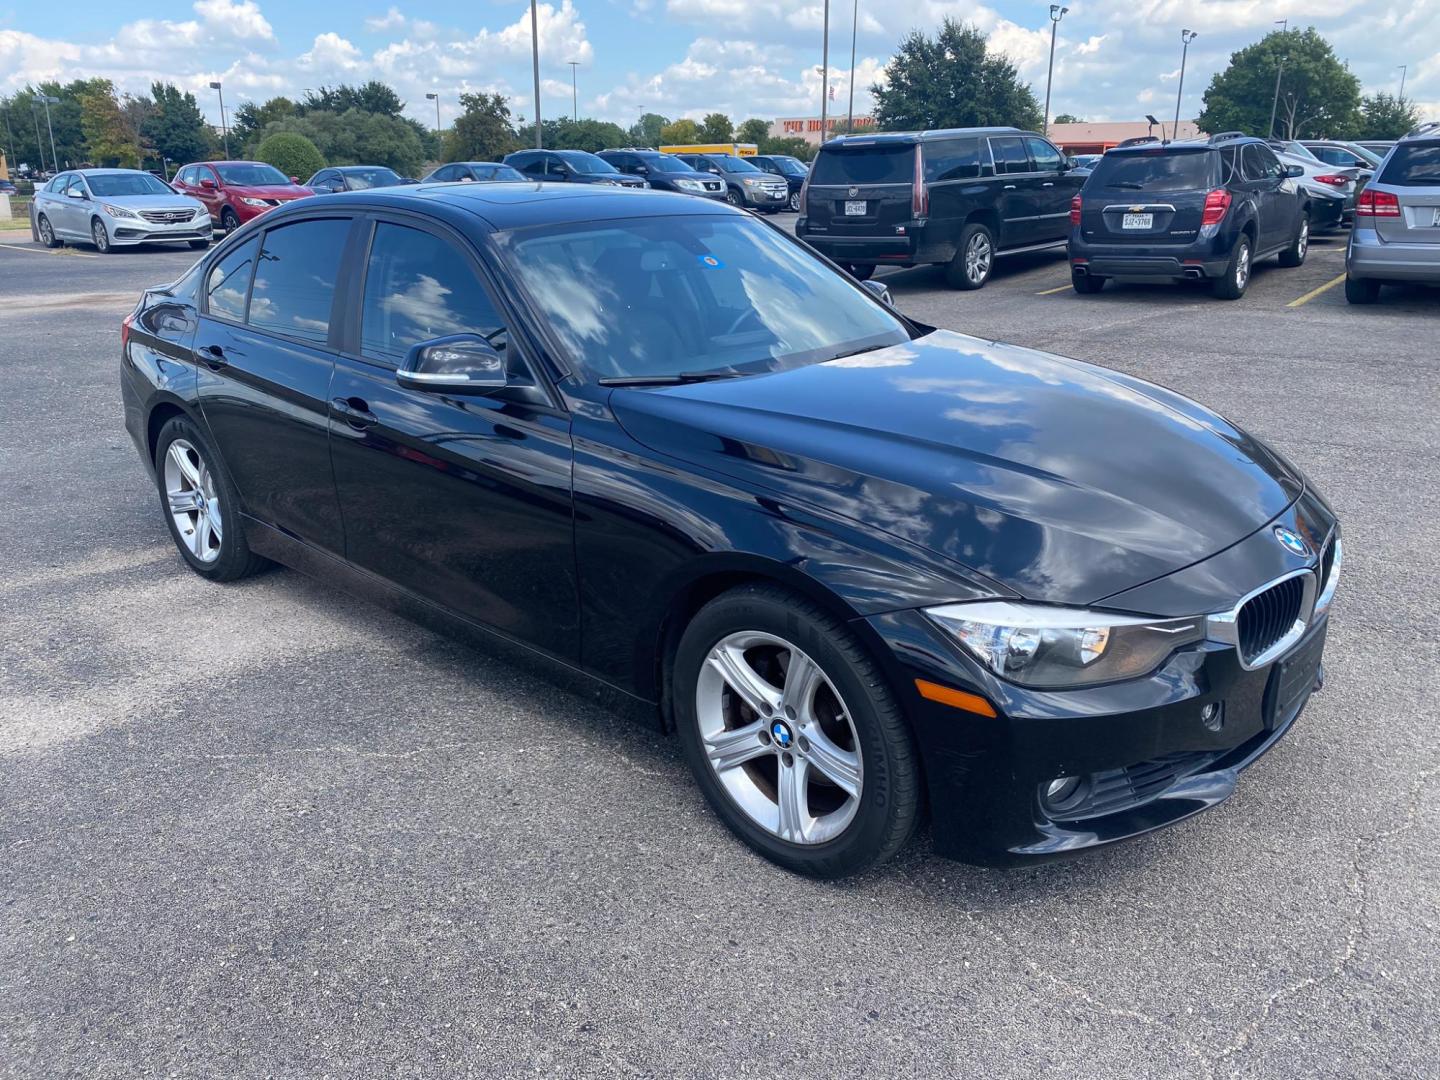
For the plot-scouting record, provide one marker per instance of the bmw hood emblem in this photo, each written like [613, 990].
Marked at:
[1292, 542]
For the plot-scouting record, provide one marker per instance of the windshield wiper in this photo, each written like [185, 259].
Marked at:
[1126, 184]
[857, 352]
[671, 380]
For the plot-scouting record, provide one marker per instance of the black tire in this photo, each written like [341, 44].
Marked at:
[235, 560]
[734, 198]
[862, 271]
[795, 202]
[1361, 290]
[1294, 255]
[199, 245]
[100, 236]
[229, 221]
[889, 804]
[1232, 284]
[47, 233]
[1087, 283]
[963, 273]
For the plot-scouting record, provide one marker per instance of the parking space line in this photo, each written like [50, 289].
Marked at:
[1313, 293]
[1051, 292]
[46, 251]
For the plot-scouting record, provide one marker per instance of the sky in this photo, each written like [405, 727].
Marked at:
[1114, 59]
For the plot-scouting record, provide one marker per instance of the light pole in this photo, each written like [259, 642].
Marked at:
[854, 29]
[39, 146]
[574, 92]
[825, 73]
[1056, 14]
[1404, 70]
[435, 98]
[1284, 25]
[224, 131]
[54, 157]
[535, 59]
[1186, 36]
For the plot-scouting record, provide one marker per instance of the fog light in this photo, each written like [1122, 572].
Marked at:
[1062, 789]
[1065, 794]
[1213, 716]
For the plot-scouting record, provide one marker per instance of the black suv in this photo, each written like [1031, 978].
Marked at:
[790, 169]
[664, 172]
[1204, 210]
[570, 167]
[955, 198]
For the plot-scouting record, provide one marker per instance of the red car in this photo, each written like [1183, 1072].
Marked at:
[236, 191]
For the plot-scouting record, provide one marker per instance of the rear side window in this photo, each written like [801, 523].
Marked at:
[1155, 170]
[1413, 165]
[229, 281]
[1010, 155]
[952, 159]
[295, 279]
[866, 165]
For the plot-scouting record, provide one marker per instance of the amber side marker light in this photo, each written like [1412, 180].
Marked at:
[956, 699]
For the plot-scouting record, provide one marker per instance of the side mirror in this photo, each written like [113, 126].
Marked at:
[294, 179]
[459, 364]
[880, 291]
[1070, 163]
[76, 193]
[208, 184]
[1294, 170]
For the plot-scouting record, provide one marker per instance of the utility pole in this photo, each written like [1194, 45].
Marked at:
[535, 60]
[1056, 14]
[224, 130]
[1404, 70]
[39, 146]
[1186, 36]
[1284, 25]
[825, 74]
[854, 29]
[574, 93]
[54, 157]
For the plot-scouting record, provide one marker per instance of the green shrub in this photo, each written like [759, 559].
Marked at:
[293, 155]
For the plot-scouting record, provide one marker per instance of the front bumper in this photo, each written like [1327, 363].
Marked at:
[765, 199]
[1370, 257]
[132, 231]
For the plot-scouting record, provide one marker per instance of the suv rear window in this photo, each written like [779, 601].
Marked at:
[1413, 165]
[893, 164]
[1154, 170]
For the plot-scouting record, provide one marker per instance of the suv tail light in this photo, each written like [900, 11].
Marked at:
[1075, 210]
[919, 193]
[1217, 205]
[1377, 204]
[1330, 178]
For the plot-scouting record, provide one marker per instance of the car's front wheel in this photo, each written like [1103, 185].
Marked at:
[200, 504]
[795, 202]
[229, 220]
[793, 734]
[734, 198]
[101, 236]
[862, 271]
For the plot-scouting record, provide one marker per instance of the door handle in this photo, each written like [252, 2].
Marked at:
[213, 357]
[1048, 183]
[355, 411]
[1009, 187]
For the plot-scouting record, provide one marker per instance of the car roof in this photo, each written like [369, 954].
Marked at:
[352, 168]
[107, 172]
[1424, 131]
[842, 142]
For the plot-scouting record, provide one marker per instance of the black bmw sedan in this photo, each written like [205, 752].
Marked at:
[868, 572]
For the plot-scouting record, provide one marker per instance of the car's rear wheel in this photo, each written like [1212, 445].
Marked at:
[795, 202]
[974, 258]
[1231, 285]
[862, 271]
[1295, 254]
[793, 734]
[101, 236]
[47, 233]
[1361, 290]
[200, 504]
[229, 220]
[1087, 283]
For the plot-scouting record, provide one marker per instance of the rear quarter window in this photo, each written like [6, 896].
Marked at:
[952, 159]
[866, 165]
[1155, 171]
[1413, 165]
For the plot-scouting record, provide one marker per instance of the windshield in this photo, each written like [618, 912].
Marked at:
[892, 164]
[676, 295]
[588, 164]
[665, 163]
[789, 165]
[359, 179]
[731, 163]
[113, 185]
[500, 172]
[1154, 170]
[1360, 151]
[251, 175]
[1295, 149]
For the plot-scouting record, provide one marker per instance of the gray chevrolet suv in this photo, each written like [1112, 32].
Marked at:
[1397, 220]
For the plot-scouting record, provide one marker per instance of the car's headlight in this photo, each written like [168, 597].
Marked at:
[750, 181]
[117, 211]
[253, 202]
[198, 212]
[1054, 647]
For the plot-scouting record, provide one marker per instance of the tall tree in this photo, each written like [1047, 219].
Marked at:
[646, 130]
[175, 126]
[717, 128]
[680, 133]
[1385, 116]
[250, 119]
[756, 131]
[109, 140]
[1318, 95]
[372, 97]
[952, 80]
[1067, 118]
[482, 132]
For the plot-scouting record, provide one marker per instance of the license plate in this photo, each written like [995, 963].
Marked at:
[855, 209]
[1436, 221]
[1138, 221]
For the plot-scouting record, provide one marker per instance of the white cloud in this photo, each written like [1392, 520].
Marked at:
[241, 21]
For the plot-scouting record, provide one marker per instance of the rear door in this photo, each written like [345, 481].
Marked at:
[1274, 205]
[1148, 196]
[1018, 202]
[864, 190]
[1412, 175]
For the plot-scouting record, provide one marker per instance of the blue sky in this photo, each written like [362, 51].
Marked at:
[1115, 60]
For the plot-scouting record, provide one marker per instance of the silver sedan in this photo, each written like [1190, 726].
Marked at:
[112, 208]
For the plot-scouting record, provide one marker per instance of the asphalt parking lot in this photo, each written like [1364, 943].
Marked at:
[268, 830]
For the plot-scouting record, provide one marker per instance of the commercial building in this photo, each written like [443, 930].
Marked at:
[808, 127]
[1097, 138]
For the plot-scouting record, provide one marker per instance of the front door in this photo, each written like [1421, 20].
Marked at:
[462, 500]
[1055, 186]
[1261, 171]
[1018, 189]
[264, 356]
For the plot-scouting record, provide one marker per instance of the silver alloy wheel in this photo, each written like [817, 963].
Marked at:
[795, 201]
[193, 501]
[47, 234]
[978, 255]
[100, 236]
[779, 737]
[1303, 245]
[1242, 265]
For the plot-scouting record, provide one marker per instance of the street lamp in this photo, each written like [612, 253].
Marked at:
[825, 74]
[54, 157]
[1284, 25]
[535, 60]
[224, 132]
[436, 99]
[39, 146]
[1056, 14]
[574, 93]
[1152, 122]
[1404, 70]
[854, 29]
[1186, 36]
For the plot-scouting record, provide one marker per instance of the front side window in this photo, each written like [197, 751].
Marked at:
[295, 279]
[229, 282]
[643, 297]
[418, 287]
[1009, 153]
[58, 184]
[1045, 156]
[1252, 165]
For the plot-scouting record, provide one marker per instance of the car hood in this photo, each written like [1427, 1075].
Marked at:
[1058, 480]
[268, 191]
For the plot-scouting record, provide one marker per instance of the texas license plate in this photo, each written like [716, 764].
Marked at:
[855, 209]
[1138, 221]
